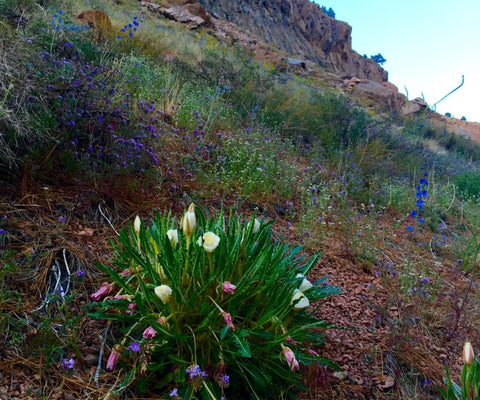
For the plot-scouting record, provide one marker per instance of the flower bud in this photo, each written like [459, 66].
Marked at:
[468, 354]
[105, 289]
[290, 358]
[256, 226]
[113, 358]
[173, 236]
[189, 221]
[164, 293]
[149, 333]
[228, 319]
[228, 287]
[136, 225]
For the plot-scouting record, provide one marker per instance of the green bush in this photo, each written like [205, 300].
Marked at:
[468, 184]
[212, 308]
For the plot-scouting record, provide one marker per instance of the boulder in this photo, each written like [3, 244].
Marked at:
[414, 106]
[188, 12]
[293, 62]
[383, 97]
[350, 83]
[181, 14]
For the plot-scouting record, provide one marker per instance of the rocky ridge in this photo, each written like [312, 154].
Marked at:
[301, 29]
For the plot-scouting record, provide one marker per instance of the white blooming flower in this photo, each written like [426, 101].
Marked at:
[164, 293]
[300, 300]
[305, 285]
[210, 241]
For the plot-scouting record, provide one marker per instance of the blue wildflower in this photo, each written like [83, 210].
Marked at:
[423, 181]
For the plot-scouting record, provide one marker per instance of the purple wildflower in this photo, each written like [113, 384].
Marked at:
[68, 364]
[135, 347]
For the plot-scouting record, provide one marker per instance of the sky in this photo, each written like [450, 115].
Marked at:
[428, 45]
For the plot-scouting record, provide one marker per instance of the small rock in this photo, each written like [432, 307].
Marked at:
[340, 375]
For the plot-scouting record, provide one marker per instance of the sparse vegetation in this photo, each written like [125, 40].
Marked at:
[95, 129]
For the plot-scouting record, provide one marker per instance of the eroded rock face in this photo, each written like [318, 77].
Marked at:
[300, 28]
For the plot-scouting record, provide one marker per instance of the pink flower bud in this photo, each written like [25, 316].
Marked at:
[290, 358]
[228, 287]
[228, 320]
[105, 289]
[149, 333]
[312, 352]
[162, 321]
[113, 358]
[290, 340]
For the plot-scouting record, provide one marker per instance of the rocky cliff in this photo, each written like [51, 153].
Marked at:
[300, 28]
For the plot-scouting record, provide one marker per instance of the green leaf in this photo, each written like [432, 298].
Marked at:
[224, 332]
[243, 346]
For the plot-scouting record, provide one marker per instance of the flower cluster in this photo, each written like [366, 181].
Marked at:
[421, 287]
[207, 292]
[299, 300]
[421, 196]
[59, 24]
[130, 28]
[92, 106]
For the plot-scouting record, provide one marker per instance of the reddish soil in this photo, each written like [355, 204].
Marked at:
[387, 347]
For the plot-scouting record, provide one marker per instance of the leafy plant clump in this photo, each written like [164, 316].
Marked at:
[212, 309]
[470, 378]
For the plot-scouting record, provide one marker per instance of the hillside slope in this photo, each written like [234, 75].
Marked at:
[100, 124]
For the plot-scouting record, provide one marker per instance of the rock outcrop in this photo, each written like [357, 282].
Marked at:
[301, 29]
[188, 12]
[384, 96]
[415, 106]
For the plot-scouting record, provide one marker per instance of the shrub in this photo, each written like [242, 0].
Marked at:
[468, 184]
[213, 307]
[379, 59]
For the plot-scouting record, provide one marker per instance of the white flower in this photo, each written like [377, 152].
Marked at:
[305, 285]
[210, 241]
[164, 293]
[189, 221]
[173, 236]
[200, 241]
[300, 300]
[136, 225]
[256, 226]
